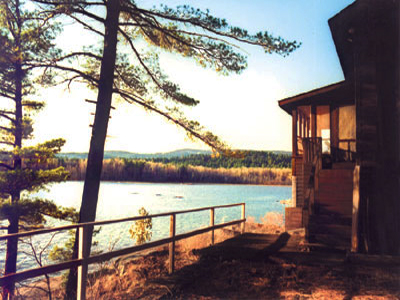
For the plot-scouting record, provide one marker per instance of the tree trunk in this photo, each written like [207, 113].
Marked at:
[99, 131]
[12, 243]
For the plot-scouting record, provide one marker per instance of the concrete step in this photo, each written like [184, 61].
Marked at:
[344, 165]
[322, 219]
[328, 189]
[333, 211]
[331, 241]
[343, 205]
[343, 231]
[342, 175]
[328, 197]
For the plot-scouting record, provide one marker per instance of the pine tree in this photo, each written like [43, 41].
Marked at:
[137, 77]
[26, 38]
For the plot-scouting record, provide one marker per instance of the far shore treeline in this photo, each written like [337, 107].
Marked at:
[255, 167]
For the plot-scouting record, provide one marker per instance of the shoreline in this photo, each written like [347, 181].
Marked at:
[187, 183]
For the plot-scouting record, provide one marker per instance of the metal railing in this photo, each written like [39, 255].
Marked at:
[82, 262]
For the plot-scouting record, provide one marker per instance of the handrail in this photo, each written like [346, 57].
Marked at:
[108, 222]
[312, 147]
[344, 155]
[312, 155]
[83, 262]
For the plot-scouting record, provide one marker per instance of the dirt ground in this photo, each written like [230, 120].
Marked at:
[265, 263]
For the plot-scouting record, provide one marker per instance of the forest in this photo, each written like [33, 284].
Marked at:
[249, 159]
[179, 170]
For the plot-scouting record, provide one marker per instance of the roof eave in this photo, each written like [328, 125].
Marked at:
[340, 93]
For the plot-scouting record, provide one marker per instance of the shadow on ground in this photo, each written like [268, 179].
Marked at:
[263, 266]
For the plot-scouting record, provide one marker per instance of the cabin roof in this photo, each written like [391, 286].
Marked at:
[342, 30]
[340, 93]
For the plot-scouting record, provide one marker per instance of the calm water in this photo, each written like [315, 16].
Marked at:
[124, 199]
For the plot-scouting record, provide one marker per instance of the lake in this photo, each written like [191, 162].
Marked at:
[124, 199]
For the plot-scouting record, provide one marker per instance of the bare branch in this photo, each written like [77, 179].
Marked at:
[12, 97]
[6, 129]
[68, 69]
[87, 26]
[148, 71]
[6, 116]
[78, 54]
[4, 165]
[57, 2]
[8, 112]
[7, 143]
[134, 99]
[88, 14]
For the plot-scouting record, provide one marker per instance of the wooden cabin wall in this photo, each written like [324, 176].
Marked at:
[376, 52]
[347, 126]
[334, 124]
[323, 119]
[298, 173]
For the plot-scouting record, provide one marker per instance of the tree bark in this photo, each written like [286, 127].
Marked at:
[99, 131]
[12, 243]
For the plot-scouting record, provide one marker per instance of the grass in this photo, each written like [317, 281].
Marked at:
[294, 274]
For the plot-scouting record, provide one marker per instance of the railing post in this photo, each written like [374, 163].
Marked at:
[83, 268]
[348, 150]
[355, 213]
[212, 224]
[243, 217]
[172, 228]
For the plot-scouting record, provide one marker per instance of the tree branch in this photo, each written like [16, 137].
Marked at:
[197, 23]
[68, 69]
[4, 165]
[6, 129]
[134, 99]
[7, 143]
[7, 117]
[56, 2]
[5, 95]
[74, 54]
[85, 25]
[8, 112]
[153, 78]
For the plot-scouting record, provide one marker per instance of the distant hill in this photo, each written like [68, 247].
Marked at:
[125, 154]
[282, 152]
[251, 159]
[185, 157]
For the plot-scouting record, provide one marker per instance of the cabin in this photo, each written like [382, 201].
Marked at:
[345, 138]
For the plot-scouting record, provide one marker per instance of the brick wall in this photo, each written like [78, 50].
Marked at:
[293, 218]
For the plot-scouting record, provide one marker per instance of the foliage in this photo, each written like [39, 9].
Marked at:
[149, 171]
[32, 212]
[32, 176]
[64, 253]
[27, 39]
[61, 254]
[141, 230]
[38, 252]
[250, 159]
[143, 34]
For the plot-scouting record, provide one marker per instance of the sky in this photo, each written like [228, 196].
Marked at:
[241, 109]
